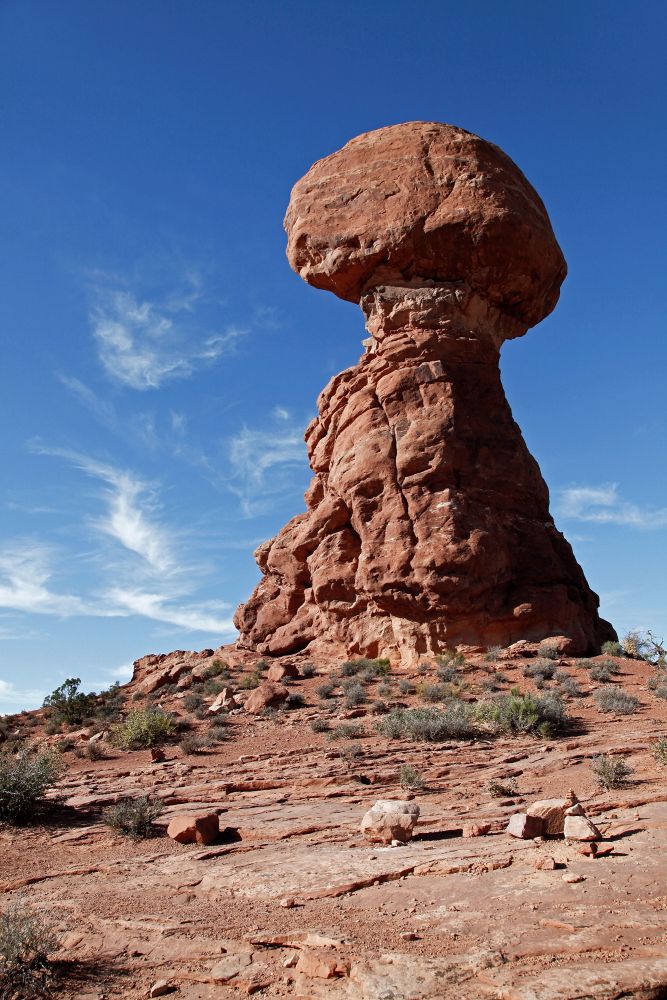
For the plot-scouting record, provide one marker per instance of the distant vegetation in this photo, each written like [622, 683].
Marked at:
[24, 778]
[143, 727]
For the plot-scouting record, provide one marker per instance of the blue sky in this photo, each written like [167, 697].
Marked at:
[160, 360]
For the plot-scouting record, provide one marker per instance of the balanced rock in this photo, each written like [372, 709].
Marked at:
[390, 819]
[427, 522]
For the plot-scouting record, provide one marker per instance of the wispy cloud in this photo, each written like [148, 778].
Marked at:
[102, 409]
[263, 463]
[143, 343]
[26, 569]
[202, 617]
[130, 503]
[603, 505]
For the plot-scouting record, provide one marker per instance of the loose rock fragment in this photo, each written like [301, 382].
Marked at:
[390, 819]
[194, 829]
[580, 828]
[525, 827]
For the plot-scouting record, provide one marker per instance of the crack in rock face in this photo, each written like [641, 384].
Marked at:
[427, 523]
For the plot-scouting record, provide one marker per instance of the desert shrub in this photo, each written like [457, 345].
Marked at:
[325, 690]
[68, 704]
[355, 694]
[634, 645]
[94, 751]
[611, 648]
[27, 938]
[196, 742]
[308, 670]
[320, 725]
[436, 692]
[429, 724]
[212, 687]
[351, 751]
[540, 670]
[192, 701]
[379, 707]
[405, 687]
[250, 681]
[523, 713]
[108, 705]
[660, 751]
[65, 745]
[601, 672]
[24, 779]
[217, 669]
[503, 789]
[549, 652]
[52, 727]
[218, 729]
[491, 654]
[611, 772]
[375, 668]
[451, 659]
[568, 685]
[294, 700]
[347, 731]
[133, 817]
[447, 674]
[616, 700]
[143, 727]
[410, 778]
[660, 692]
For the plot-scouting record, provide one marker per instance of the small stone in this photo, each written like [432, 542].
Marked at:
[576, 810]
[277, 671]
[408, 936]
[189, 828]
[288, 902]
[157, 755]
[544, 864]
[290, 961]
[476, 829]
[572, 878]
[580, 828]
[161, 988]
[524, 827]
[230, 966]
[317, 965]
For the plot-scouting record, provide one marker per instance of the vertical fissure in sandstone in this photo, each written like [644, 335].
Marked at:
[427, 523]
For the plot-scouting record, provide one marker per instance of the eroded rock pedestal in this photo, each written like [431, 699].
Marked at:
[427, 522]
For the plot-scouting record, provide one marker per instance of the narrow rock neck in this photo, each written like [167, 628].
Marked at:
[426, 319]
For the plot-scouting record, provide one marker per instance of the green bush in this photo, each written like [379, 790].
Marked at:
[616, 700]
[133, 817]
[410, 778]
[294, 700]
[347, 731]
[549, 652]
[250, 681]
[429, 724]
[377, 668]
[143, 727]
[351, 751]
[27, 939]
[435, 692]
[191, 702]
[308, 670]
[320, 725]
[217, 669]
[611, 772]
[523, 713]
[24, 779]
[354, 694]
[612, 648]
[540, 670]
[68, 704]
[325, 690]
[491, 654]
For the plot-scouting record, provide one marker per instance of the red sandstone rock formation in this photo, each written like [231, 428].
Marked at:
[427, 522]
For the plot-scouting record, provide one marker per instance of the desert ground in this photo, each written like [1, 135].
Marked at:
[291, 898]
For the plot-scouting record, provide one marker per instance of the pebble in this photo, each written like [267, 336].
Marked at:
[161, 988]
[572, 877]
